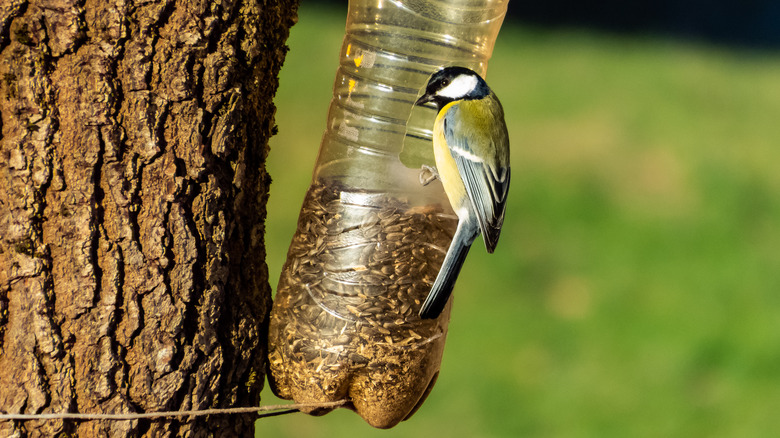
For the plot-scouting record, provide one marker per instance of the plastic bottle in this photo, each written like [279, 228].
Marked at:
[371, 238]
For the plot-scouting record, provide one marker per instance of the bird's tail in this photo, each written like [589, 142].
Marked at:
[450, 268]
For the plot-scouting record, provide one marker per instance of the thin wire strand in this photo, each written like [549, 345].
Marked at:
[284, 409]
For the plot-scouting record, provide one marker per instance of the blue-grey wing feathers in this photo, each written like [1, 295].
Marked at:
[486, 178]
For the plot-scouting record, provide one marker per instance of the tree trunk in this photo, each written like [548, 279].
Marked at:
[132, 206]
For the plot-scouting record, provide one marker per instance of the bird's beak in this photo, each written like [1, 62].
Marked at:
[426, 98]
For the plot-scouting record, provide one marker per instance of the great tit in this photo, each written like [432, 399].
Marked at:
[471, 148]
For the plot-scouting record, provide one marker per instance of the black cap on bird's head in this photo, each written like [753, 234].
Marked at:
[453, 83]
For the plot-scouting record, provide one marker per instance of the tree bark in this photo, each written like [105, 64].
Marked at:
[132, 206]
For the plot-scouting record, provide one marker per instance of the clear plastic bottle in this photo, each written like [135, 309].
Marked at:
[371, 238]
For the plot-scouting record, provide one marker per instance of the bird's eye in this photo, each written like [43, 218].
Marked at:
[445, 82]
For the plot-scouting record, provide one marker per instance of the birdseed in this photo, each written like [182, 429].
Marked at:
[345, 322]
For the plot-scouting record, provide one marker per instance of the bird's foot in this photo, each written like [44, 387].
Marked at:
[428, 174]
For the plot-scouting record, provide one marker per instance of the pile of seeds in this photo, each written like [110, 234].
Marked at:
[345, 322]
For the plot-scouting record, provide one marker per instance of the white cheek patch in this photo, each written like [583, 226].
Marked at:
[459, 87]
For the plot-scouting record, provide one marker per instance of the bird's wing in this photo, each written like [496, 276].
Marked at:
[478, 141]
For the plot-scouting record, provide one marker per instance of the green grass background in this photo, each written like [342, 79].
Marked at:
[636, 288]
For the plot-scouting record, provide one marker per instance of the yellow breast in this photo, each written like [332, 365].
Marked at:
[445, 164]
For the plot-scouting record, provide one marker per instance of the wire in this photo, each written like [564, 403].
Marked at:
[284, 409]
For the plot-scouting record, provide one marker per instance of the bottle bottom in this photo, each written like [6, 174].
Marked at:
[345, 322]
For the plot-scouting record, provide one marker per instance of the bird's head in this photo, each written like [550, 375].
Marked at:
[453, 83]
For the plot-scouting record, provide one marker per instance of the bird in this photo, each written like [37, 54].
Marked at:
[471, 151]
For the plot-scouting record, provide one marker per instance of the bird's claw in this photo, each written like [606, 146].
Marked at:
[428, 174]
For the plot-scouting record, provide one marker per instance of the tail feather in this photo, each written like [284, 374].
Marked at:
[450, 268]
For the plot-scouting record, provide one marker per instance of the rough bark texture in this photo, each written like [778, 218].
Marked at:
[132, 206]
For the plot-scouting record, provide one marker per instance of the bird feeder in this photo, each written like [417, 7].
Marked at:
[371, 237]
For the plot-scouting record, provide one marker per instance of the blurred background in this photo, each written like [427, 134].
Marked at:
[636, 288]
